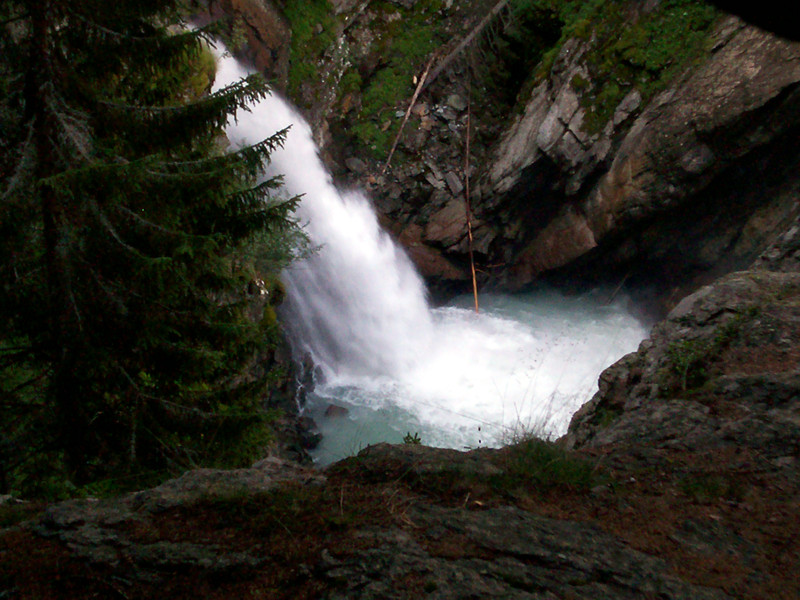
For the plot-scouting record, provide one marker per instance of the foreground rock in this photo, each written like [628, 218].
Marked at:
[99, 531]
[390, 532]
[503, 553]
[721, 372]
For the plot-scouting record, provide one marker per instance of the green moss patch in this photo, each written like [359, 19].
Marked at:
[628, 50]
[313, 26]
[405, 43]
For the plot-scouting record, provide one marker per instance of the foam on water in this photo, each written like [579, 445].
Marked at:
[525, 363]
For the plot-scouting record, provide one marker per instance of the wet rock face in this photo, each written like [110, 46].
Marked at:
[721, 371]
[649, 160]
[265, 34]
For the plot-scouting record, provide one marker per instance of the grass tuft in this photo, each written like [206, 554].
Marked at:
[541, 465]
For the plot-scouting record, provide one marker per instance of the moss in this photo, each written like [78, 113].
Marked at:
[308, 45]
[644, 53]
[374, 137]
[579, 83]
[405, 43]
[203, 68]
[350, 82]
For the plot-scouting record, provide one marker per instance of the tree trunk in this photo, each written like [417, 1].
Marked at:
[62, 328]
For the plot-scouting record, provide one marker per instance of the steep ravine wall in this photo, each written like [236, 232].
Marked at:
[658, 194]
[663, 190]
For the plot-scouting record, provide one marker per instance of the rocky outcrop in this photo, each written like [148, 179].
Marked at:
[504, 552]
[711, 403]
[409, 521]
[103, 532]
[685, 177]
[258, 33]
[721, 371]
[656, 170]
[409, 547]
[784, 255]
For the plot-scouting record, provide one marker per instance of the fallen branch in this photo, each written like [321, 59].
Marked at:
[428, 76]
[408, 111]
[618, 288]
[469, 204]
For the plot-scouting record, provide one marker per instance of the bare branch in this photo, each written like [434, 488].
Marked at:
[408, 111]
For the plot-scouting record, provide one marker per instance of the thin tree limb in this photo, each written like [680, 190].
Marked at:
[420, 85]
[466, 195]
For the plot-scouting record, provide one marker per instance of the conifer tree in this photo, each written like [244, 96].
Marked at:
[125, 335]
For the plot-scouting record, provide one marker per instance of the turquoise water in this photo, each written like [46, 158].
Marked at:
[525, 363]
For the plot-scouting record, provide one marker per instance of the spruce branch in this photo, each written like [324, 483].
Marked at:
[106, 224]
[25, 169]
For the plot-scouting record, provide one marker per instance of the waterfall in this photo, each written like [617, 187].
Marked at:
[356, 305]
[359, 308]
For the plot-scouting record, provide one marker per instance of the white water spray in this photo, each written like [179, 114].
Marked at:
[358, 307]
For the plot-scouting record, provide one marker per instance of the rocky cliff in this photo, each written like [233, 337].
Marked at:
[651, 143]
[697, 180]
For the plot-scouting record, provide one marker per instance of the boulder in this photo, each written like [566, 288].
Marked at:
[334, 411]
[448, 225]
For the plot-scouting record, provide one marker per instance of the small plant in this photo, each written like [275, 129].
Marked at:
[690, 359]
[412, 439]
[708, 487]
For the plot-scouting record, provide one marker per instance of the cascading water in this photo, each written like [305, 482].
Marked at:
[358, 307]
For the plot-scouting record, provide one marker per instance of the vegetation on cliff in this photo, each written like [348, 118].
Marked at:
[370, 73]
[630, 48]
[128, 240]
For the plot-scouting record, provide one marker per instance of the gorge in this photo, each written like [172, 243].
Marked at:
[643, 149]
[358, 312]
